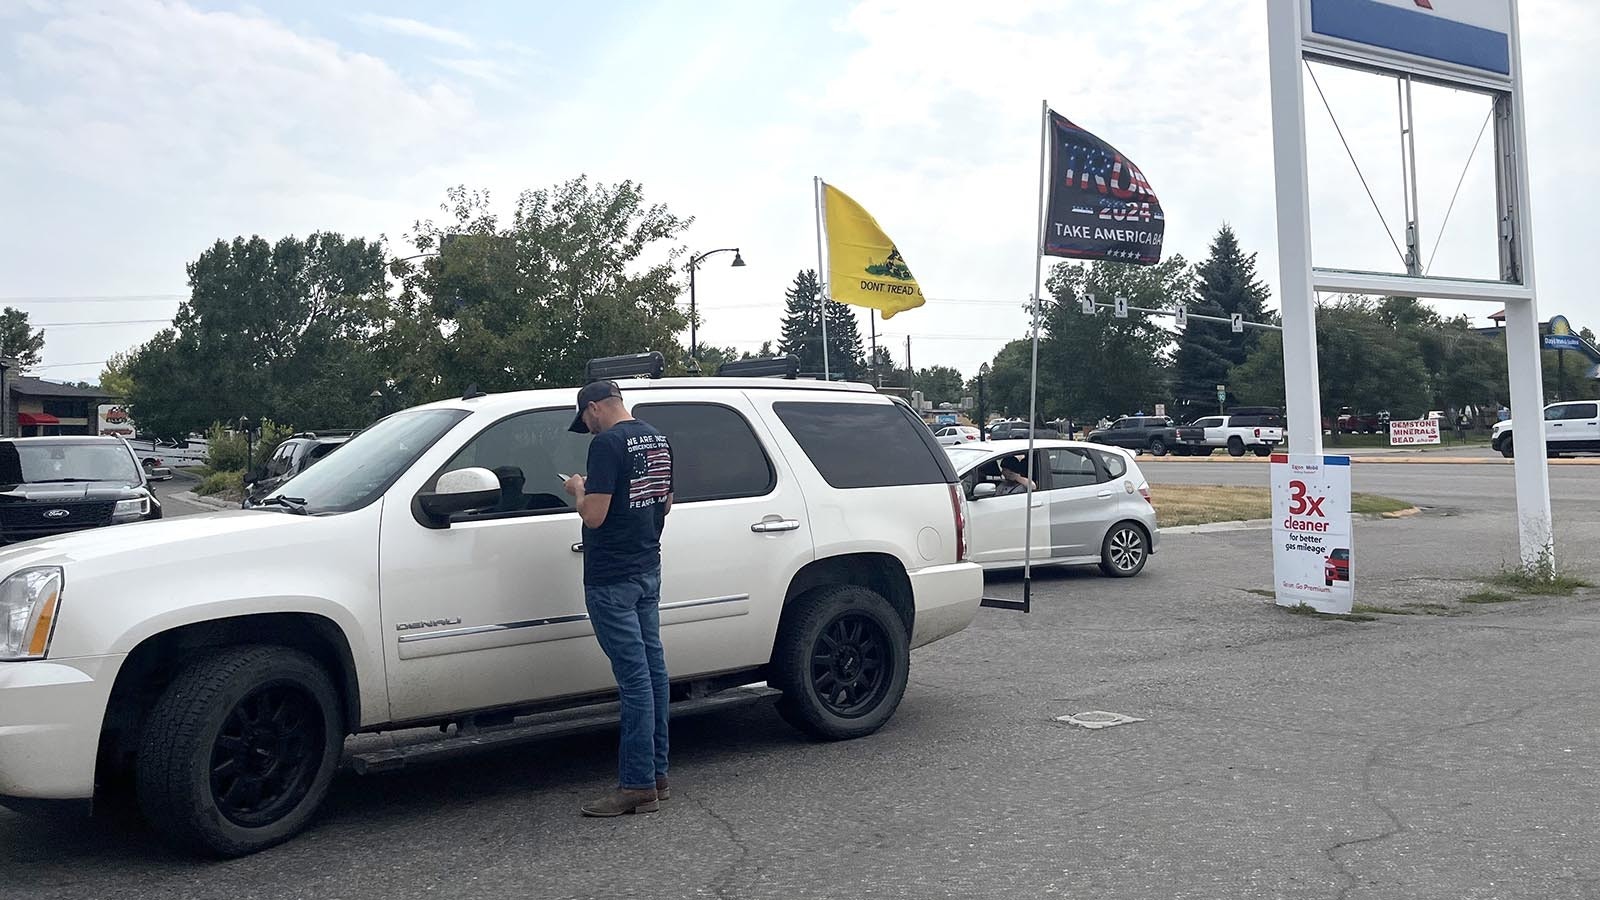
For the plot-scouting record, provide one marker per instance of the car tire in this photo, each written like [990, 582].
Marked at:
[1235, 446]
[1158, 447]
[1180, 450]
[1124, 550]
[1261, 451]
[851, 627]
[213, 710]
[1506, 450]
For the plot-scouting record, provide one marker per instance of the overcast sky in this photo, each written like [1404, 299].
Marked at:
[133, 134]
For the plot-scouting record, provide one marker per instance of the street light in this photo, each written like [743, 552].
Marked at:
[694, 263]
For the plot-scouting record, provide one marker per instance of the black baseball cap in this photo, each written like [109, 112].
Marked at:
[593, 392]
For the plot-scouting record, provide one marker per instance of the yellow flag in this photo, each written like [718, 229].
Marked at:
[864, 268]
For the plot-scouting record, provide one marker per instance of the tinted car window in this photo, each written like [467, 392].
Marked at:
[31, 463]
[1208, 423]
[528, 453]
[1072, 468]
[1582, 410]
[1114, 464]
[860, 445]
[715, 455]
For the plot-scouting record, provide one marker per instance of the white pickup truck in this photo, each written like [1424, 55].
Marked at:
[1253, 430]
[430, 573]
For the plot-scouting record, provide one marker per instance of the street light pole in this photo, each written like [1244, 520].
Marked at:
[694, 319]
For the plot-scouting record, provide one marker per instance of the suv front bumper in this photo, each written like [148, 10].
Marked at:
[50, 717]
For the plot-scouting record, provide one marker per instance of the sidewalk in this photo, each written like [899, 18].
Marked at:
[1410, 457]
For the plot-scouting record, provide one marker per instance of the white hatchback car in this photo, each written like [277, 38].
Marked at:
[1091, 504]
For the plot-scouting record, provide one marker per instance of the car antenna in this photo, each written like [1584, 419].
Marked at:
[473, 393]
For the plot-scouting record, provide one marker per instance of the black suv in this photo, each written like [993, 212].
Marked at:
[56, 485]
[292, 457]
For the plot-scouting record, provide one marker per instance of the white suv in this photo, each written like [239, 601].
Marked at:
[430, 573]
[1570, 427]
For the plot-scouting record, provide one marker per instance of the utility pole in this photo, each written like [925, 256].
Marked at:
[910, 372]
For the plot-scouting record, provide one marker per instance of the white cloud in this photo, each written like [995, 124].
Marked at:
[489, 71]
[415, 29]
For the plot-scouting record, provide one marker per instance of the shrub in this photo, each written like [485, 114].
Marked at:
[231, 483]
[228, 452]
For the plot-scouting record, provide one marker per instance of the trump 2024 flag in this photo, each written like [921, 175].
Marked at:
[864, 266]
[1101, 206]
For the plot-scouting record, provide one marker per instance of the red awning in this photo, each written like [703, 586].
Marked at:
[37, 419]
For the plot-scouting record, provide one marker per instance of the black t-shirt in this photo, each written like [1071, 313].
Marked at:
[633, 463]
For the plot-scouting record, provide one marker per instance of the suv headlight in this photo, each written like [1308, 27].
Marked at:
[131, 509]
[29, 600]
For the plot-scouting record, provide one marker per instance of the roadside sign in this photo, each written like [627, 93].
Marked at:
[945, 419]
[1413, 431]
[114, 421]
[1181, 317]
[1237, 321]
[1312, 547]
[1087, 304]
[1560, 336]
[1222, 393]
[1120, 310]
[1161, 409]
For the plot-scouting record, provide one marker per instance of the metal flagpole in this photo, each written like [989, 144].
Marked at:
[1033, 381]
[822, 293]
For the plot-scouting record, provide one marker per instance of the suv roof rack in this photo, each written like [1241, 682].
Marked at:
[648, 365]
[785, 366]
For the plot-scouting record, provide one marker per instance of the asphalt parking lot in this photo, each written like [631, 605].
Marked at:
[1453, 756]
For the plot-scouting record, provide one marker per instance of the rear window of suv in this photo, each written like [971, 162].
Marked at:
[863, 445]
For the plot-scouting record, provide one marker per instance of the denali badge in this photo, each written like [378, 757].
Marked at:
[57, 513]
[430, 623]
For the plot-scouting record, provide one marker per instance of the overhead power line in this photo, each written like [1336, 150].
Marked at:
[118, 298]
[85, 324]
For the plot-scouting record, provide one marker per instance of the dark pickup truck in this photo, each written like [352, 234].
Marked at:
[1157, 434]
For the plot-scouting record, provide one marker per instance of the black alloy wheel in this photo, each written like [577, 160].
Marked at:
[266, 755]
[850, 665]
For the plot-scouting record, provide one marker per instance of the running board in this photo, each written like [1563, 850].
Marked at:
[1002, 603]
[383, 752]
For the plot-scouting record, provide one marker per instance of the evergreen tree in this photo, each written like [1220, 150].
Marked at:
[1226, 283]
[802, 331]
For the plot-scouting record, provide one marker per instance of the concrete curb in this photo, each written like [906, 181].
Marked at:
[196, 499]
[1253, 524]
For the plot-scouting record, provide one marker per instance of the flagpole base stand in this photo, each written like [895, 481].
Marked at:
[1025, 605]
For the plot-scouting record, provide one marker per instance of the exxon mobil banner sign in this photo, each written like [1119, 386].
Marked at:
[1471, 37]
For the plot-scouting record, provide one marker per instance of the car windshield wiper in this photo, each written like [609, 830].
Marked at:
[296, 505]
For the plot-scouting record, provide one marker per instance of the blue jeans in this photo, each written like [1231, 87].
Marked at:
[627, 622]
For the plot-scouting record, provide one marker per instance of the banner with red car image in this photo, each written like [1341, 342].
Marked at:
[1312, 552]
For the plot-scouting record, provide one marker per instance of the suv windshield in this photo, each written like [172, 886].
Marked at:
[368, 463]
[29, 463]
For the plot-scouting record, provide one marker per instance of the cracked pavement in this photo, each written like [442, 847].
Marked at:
[1453, 755]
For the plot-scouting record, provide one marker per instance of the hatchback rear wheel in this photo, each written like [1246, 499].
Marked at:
[1124, 551]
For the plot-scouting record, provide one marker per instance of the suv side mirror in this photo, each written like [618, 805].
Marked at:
[984, 489]
[458, 492]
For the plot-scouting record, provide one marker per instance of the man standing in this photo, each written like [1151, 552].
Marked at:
[624, 501]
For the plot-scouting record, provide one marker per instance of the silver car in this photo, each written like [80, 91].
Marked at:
[1091, 505]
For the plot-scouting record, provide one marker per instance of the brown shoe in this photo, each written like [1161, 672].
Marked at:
[620, 802]
[663, 789]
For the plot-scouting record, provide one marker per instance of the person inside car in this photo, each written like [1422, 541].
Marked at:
[1014, 474]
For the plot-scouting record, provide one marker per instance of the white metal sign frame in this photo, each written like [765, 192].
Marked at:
[1468, 44]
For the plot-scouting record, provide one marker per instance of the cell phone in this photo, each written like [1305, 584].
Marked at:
[562, 478]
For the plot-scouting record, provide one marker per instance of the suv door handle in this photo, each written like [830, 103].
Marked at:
[769, 526]
[578, 547]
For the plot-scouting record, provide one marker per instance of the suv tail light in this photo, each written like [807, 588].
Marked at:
[961, 522]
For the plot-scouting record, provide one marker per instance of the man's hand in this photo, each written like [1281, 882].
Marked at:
[575, 485]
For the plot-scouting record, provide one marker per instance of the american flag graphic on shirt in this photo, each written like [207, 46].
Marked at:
[651, 481]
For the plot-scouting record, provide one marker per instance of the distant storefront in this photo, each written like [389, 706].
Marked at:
[33, 407]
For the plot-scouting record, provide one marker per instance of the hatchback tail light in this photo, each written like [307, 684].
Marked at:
[961, 522]
[1144, 491]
